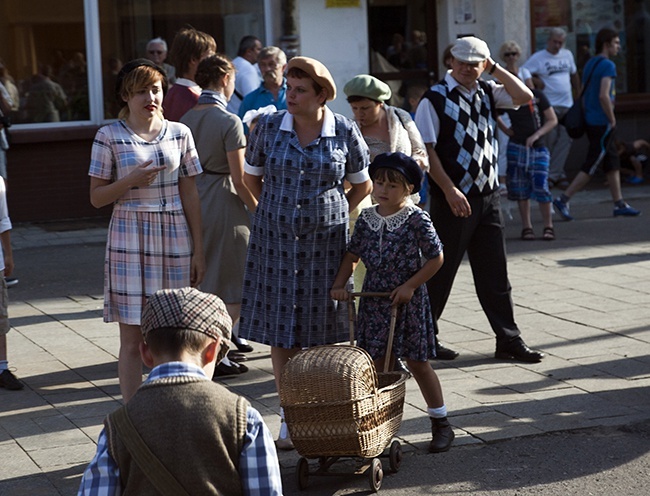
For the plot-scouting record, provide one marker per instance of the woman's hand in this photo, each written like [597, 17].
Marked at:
[197, 269]
[458, 203]
[143, 175]
[339, 294]
[401, 294]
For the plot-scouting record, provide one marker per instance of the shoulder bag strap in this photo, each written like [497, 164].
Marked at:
[158, 475]
[590, 74]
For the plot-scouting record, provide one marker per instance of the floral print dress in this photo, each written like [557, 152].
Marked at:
[393, 249]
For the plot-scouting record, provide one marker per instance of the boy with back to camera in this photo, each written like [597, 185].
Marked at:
[206, 439]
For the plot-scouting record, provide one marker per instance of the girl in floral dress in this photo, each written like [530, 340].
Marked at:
[145, 166]
[392, 238]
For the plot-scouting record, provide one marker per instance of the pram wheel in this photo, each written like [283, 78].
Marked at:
[395, 456]
[302, 473]
[376, 475]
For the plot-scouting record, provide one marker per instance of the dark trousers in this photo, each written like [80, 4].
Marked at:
[481, 236]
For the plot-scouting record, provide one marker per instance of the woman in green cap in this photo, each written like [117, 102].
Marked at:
[385, 128]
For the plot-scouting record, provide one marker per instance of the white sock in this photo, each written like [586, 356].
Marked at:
[4, 365]
[439, 412]
[284, 430]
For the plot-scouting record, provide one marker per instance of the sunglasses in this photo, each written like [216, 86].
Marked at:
[510, 54]
[157, 52]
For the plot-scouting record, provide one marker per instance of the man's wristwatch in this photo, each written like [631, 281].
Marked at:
[492, 69]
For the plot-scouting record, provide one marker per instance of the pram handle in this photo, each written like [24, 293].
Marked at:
[393, 320]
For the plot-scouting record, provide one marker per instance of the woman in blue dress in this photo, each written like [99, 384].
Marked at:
[296, 163]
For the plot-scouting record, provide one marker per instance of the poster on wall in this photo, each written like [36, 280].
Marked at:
[464, 12]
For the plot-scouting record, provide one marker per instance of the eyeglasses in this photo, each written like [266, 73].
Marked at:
[156, 52]
[510, 54]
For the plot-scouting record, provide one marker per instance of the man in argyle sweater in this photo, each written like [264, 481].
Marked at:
[457, 119]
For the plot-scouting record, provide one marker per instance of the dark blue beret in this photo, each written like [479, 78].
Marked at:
[402, 163]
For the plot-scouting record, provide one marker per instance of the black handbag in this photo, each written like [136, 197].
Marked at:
[574, 119]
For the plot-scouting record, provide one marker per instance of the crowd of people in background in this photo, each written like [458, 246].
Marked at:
[234, 177]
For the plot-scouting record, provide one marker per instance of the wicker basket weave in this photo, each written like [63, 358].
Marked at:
[335, 404]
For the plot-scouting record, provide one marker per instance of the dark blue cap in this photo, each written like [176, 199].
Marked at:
[402, 163]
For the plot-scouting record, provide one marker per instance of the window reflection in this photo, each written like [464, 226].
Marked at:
[127, 26]
[44, 59]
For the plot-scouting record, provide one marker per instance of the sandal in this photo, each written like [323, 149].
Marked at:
[527, 234]
[549, 234]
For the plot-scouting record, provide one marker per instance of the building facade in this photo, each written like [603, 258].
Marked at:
[62, 57]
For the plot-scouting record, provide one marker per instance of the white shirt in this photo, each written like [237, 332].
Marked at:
[246, 80]
[555, 71]
[5, 223]
[426, 117]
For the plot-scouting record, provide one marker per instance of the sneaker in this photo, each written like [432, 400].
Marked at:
[626, 211]
[9, 381]
[634, 180]
[11, 281]
[563, 208]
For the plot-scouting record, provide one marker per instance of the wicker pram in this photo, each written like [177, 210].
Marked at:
[335, 405]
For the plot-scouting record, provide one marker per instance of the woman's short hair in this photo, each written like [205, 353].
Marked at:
[142, 76]
[507, 47]
[298, 73]
[212, 69]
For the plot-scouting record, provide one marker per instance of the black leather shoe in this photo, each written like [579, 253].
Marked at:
[241, 344]
[517, 350]
[224, 370]
[444, 353]
[236, 356]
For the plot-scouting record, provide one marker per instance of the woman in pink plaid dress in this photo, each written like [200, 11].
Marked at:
[145, 166]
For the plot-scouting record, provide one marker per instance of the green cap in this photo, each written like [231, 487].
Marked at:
[367, 86]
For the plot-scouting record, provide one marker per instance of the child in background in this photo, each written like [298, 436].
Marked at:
[7, 379]
[392, 238]
[633, 157]
[528, 162]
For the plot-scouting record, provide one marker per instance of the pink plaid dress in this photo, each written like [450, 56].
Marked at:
[149, 244]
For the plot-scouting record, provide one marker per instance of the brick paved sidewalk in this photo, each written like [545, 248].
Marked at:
[583, 299]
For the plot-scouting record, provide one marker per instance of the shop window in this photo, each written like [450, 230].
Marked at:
[126, 26]
[43, 53]
[402, 43]
[583, 19]
[60, 58]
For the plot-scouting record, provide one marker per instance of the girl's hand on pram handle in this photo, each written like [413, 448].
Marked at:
[401, 294]
[340, 294]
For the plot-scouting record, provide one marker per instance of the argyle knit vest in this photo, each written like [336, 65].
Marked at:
[467, 145]
[195, 427]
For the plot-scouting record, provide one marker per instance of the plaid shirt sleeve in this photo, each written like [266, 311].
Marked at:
[102, 476]
[259, 468]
